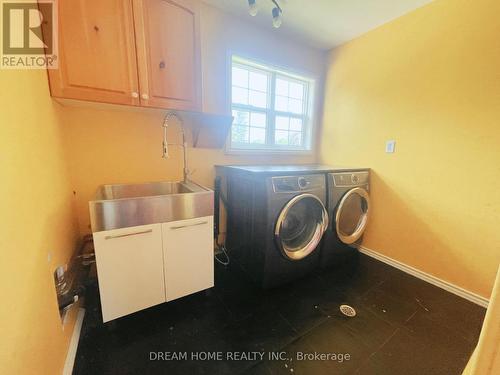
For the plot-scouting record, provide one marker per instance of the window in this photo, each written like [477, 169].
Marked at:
[271, 108]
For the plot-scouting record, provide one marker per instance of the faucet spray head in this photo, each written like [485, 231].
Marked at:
[168, 116]
[164, 143]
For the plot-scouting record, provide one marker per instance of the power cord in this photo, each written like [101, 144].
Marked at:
[220, 248]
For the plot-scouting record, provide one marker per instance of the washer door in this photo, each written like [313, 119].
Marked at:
[300, 226]
[352, 215]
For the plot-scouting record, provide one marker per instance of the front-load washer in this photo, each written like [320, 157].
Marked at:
[348, 212]
[275, 222]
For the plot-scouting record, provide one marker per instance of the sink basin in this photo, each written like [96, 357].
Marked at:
[130, 205]
[121, 191]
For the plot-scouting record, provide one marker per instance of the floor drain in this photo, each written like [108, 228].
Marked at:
[348, 311]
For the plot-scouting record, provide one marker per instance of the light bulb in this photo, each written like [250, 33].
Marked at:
[253, 9]
[276, 17]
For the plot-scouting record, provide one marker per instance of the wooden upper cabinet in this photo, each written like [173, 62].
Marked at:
[134, 52]
[168, 53]
[97, 56]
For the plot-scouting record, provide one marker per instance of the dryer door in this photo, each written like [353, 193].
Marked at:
[300, 226]
[352, 215]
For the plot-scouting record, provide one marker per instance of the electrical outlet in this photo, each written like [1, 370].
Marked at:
[390, 146]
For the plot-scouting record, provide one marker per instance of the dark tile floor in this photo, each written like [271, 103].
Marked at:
[403, 326]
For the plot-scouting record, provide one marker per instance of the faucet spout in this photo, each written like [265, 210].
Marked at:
[168, 116]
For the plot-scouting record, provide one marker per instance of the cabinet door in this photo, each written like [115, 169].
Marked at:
[129, 269]
[168, 53]
[188, 255]
[97, 59]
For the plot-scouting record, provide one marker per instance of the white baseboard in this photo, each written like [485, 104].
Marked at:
[461, 292]
[73, 344]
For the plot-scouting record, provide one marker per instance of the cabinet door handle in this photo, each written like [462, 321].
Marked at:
[135, 94]
[189, 225]
[128, 234]
[145, 96]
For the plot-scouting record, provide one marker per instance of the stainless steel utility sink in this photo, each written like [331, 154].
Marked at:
[130, 205]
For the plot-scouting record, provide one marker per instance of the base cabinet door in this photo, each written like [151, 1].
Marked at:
[188, 256]
[130, 269]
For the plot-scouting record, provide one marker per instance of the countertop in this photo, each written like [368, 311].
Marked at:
[286, 169]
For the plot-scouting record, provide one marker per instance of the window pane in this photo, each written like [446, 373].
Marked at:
[257, 135]
[240, 77]
[281, 103]
[258, 81]
[258, 99]
[281, 87]
[295, 138]
[282, 122]
[296, 124]
[281, 137]
[296, 90]
[258, 119]
[239, 134]
[240, 96]
[257, 113]
[241, 117]
[295, 106]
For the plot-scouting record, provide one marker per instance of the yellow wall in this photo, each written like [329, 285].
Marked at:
[36, 218]
[124, 145]
[431, 81]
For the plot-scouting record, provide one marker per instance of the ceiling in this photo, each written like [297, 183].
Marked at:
[323, 23]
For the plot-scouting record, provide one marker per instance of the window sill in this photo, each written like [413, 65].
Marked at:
[255, 152]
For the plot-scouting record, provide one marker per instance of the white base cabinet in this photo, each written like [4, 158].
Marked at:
[130, 269]
[143, 266]
[189, 267]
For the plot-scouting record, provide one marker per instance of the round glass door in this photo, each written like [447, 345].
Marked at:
[300, 226]
[352, 215]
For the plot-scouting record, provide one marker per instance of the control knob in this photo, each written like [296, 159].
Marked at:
[303, 183]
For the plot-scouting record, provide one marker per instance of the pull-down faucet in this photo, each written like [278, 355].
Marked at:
[169, 115]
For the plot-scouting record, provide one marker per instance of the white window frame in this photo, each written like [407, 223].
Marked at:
[308, 126]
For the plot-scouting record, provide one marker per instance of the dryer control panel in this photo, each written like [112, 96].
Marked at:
[288, 184]
[350, 178]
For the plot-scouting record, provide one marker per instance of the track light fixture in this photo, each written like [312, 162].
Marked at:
[253, 9]
[277, 15]
[277, 12]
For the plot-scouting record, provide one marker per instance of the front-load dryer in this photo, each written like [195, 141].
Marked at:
[275, 223]
[348, 212]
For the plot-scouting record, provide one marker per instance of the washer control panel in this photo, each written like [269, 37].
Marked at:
[288, 184]
[350, 178]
